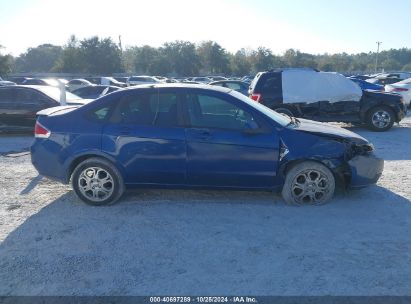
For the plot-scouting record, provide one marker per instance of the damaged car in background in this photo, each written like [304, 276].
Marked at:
[326, 97]
[196, 136]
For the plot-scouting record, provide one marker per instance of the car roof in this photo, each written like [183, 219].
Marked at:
[181, 85]
[279, 70]
[79, 79]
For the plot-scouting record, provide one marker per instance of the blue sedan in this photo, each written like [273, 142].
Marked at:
[196, 136]
[364, 85]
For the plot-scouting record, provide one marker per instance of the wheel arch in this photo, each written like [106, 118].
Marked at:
[75, 161]
[340, 170]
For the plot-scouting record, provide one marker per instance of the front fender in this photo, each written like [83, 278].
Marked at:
[303, 146]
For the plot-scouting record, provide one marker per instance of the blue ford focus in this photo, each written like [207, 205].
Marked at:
[195, 136]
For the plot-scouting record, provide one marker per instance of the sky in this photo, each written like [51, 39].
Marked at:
[312, 26]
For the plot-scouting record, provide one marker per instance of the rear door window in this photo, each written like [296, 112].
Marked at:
[149, 109]
[165, 105]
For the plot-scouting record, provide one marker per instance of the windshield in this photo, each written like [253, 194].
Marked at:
[281, 119]
[54, 93]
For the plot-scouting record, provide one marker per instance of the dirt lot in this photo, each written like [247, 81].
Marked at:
[206, 242]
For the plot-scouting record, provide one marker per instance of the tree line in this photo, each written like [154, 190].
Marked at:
[102, 56]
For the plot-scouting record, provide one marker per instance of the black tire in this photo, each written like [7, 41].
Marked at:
[284, 110]
[100, 177]
[308, 183]
[386, 115]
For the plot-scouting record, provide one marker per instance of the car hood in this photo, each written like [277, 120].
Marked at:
[327, 130]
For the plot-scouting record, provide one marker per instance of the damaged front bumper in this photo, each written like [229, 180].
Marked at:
[365, 170]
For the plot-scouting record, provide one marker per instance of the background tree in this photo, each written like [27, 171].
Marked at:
[39, 59]
[100, 56]
[70, 60]
[6, 63]
[262, 59]
[182, 58]
[214, 59]
[240, 64]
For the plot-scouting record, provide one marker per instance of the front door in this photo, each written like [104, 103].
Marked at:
[220, 152]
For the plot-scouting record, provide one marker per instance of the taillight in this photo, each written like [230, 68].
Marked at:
[40, 131]
[256, 97]
[400, 89]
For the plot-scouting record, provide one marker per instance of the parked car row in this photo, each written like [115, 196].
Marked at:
[397, 82]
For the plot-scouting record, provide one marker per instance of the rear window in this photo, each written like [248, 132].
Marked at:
[267, 82]
[271, 83]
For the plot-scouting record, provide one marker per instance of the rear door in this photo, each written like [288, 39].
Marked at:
[219, 152]
[146, 136]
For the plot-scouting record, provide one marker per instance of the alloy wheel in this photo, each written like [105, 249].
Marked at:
[96, 184]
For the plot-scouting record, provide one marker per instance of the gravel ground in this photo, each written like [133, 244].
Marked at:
[206, 242]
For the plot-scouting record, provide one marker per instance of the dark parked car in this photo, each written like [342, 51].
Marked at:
[17, 79]
[236, 85]
[42, 82]
[94, 91]
[6, 82]
[326, 97]
[196, 136]
[122, 79]
[19, 104]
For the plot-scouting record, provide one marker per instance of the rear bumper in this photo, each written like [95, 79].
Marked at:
[46, 163]
[365, 170]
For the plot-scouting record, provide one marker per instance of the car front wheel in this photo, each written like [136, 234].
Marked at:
[380, 119]
[97, 182]
[308, 183]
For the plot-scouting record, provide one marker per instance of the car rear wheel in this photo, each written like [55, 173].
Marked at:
[380, 119]
[308, 183]
[97, 182]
